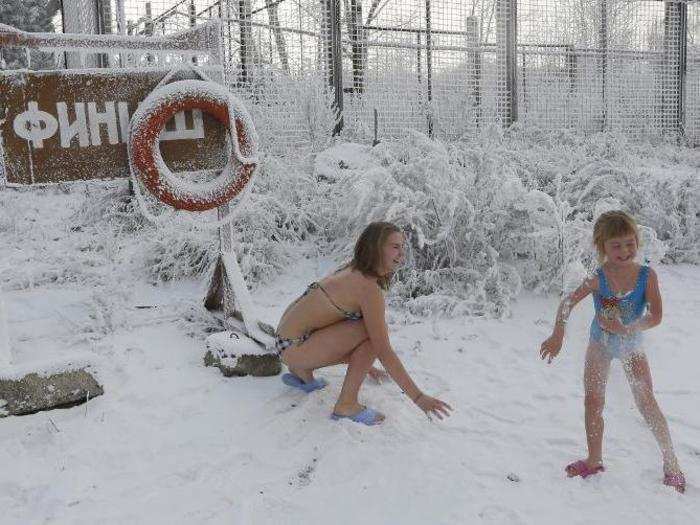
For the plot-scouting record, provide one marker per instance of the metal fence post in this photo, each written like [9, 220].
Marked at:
[474, 67]
[148, 23]
[192, 12]
[674, 67]
[603, 46]
[356, 37]
[429, 64]
[121, 17]
[571, 67]
[334, 58]
[244, 19]
[506, 35]
[104, 27]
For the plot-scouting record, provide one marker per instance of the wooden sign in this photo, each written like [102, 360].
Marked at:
[59, 126]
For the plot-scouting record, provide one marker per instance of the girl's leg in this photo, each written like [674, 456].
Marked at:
[343, 342]
[359, 363]
[639, 376]
[595, 378]
[327, 346]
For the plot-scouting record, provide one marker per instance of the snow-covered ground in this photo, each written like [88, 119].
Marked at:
[171, 441]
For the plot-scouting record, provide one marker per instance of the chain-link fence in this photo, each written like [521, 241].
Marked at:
[310, 68]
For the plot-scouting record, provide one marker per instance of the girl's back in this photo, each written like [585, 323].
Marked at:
[335, 297]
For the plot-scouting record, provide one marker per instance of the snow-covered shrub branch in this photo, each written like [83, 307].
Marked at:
[489, 216]
[485, 218]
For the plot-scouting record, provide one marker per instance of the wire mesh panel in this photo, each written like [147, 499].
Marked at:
[309, 67]
[384, 66]
[560, 64]
[277, 62]
[429, 65]
[692, 81]
[603, 65]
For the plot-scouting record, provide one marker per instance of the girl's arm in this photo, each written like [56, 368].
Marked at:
[552, 345]
[653, 294]
[373, 314]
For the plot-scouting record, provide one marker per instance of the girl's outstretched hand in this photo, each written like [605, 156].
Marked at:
[551, 348]
[432, 405]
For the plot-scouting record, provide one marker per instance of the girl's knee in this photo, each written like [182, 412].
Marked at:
[364, 349]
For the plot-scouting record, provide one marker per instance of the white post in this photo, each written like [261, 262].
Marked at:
[241, 295]
[80, 16]
[5, 354]
[121, 17]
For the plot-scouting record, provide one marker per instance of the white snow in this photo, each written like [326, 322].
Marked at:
[172, 441]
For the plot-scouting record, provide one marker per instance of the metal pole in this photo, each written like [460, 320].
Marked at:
[418, 57]
[193, 22]
[682, 65]
[243, 21]
[63, 30]
[474, 61]
[506, 33]
[334, 58]
[429, 65]
[355, 38]
[674, 68]
[148, 24]
[571, 66]
[603, 45]
[193, 14]
[121, 17]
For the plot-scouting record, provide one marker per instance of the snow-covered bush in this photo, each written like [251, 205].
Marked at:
[487, 217]
[484, 218]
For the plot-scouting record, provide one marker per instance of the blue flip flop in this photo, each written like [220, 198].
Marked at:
[296, 382]
[366, 416]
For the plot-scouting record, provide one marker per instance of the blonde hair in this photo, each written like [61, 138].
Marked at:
[611, 224]
[368, 251]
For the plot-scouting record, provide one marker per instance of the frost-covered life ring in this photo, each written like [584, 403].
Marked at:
[145, 159]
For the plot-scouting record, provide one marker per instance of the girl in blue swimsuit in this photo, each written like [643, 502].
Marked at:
[627, 301]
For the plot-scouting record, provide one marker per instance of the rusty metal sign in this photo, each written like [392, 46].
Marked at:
[59, 126]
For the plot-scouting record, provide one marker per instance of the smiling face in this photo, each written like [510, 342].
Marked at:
[392, 254]
[379, 251]
[615, 237]
[621, 250]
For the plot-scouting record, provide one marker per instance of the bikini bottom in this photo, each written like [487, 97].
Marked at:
[283, 343]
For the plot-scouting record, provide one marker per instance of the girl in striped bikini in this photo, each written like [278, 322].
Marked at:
[340, 319]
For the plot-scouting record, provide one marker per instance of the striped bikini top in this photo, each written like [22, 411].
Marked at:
[351, 316]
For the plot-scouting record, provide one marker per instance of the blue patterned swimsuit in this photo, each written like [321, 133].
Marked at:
[629, 307]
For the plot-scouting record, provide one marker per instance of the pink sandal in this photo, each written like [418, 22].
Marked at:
[581, 468]
[677, 481]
